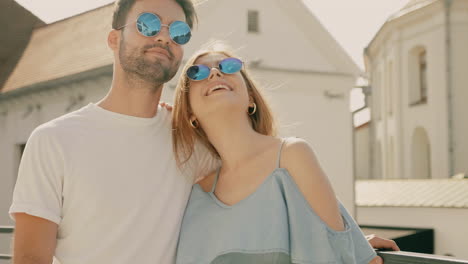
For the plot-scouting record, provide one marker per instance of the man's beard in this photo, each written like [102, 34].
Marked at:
[135, 63]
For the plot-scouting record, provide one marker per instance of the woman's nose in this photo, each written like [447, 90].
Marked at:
[215, 72]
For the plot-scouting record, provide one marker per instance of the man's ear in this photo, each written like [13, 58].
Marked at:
[113, 39]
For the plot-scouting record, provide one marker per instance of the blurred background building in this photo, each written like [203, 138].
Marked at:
[414, 150]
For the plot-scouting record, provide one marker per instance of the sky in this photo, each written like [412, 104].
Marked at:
[353, 23]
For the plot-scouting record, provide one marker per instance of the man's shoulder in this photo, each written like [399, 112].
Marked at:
[62, 124]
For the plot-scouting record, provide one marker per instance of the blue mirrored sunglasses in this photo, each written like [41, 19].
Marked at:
[200, 72]
[149, 25]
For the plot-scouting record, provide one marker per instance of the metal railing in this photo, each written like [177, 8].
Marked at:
[403, 257]
[389, 257]
[6, 230]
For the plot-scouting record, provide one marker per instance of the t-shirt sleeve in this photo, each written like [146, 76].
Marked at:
[201, 163]
[38, 189]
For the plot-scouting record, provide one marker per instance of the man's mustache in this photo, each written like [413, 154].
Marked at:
[147, 47]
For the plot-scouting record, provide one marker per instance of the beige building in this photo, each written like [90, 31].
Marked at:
[416, 141]
[307, 76]
[417, 65]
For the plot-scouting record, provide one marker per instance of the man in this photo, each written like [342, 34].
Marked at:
[100, 185]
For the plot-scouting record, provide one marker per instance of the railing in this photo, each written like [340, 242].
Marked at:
[5, 230]
[389, 257]
[402, 257]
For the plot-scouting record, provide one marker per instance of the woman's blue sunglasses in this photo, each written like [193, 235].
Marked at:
[200, 72]
[149, 25]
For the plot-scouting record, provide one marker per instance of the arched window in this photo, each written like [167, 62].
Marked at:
[417, 76]
[421, 155]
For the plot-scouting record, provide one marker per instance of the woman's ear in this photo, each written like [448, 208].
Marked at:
[192, 117]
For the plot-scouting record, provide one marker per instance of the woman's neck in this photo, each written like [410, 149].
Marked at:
[234, 139]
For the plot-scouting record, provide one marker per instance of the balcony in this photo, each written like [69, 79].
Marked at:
[400, 257]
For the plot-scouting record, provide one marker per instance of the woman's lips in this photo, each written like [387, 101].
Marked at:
[218, 87]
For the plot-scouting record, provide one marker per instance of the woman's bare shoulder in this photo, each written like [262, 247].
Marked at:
[207, 181]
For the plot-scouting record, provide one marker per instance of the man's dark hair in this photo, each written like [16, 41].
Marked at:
[122, 7]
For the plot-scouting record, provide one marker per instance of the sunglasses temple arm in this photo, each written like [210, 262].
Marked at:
[119, 28]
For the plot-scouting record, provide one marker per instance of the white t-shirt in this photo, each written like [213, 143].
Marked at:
[110, 182]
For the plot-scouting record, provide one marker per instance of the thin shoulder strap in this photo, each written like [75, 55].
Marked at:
[216, 179]
[283, 140]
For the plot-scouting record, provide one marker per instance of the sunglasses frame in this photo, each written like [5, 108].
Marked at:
[162, 25]
[211, 68]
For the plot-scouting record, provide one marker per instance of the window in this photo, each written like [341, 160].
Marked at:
[252, 21]
[420, 154]
[19, 154]
[21, 149]
[418, 85]
[423, 75]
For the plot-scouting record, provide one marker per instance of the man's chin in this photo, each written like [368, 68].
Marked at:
[159, 76]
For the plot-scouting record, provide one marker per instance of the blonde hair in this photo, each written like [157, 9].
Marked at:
[184, 135]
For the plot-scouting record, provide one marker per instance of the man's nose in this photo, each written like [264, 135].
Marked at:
[163, 36]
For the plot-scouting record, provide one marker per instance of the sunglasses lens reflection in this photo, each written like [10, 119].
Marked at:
[148, 24]
[180, 32]
[198, 72]
[230, 65]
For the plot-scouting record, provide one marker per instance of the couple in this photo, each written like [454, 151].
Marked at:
[102, 185]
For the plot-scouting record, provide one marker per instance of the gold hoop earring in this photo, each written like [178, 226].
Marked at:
[194, 123]
[254, 109]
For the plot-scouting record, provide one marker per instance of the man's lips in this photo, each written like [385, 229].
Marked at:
[159, 51]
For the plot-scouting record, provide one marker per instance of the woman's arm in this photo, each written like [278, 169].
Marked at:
[299, 159]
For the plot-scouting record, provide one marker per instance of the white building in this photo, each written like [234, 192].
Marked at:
[416, 140]
[417, 64]
[308, 77]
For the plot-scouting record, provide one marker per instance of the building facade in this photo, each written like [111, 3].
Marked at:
[416, 142]
[417, 65]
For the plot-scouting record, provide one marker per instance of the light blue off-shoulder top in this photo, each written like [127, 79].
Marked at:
[273, 225]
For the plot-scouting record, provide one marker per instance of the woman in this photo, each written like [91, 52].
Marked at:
[269, 201]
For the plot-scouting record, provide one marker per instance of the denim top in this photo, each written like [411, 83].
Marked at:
[273, 225]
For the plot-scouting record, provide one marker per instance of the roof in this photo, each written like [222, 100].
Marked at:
[15, 36]
[410, 7]
[338, 53]
[437, 193]
[414, 4]
[78, 44]
[64, 48]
